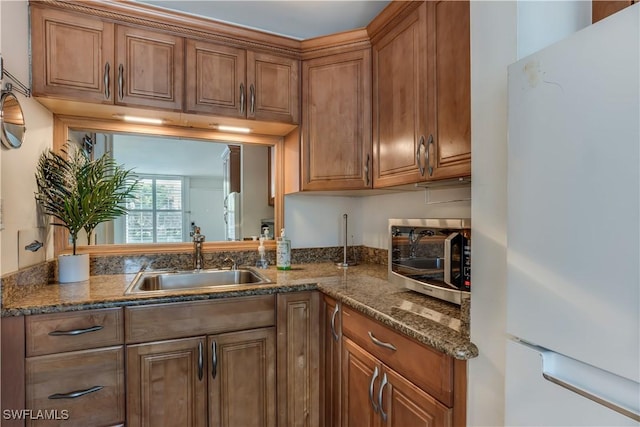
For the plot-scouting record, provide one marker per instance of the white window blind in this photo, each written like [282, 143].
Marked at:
[156, 212]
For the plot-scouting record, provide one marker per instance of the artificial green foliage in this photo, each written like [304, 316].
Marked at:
[81, 193]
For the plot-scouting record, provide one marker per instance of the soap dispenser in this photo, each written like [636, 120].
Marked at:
[262, 262]
[283, 252]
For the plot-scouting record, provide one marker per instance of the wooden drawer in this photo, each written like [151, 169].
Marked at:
[429, 369]
[185, 319]
[49, 378]
[80, 330]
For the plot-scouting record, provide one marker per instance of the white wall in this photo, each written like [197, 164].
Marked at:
[18, 166]
[317, 221]
[255, 191]
[501, 32]
[493, 47]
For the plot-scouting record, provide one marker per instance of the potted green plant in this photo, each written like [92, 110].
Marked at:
[80, 193]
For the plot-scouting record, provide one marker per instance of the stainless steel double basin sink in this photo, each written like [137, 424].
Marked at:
[165, 281]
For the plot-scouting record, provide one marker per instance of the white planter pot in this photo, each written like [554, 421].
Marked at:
[73, 268]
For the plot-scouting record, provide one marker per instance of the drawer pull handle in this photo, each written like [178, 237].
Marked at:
[382, 386]
[382, 343]
[57, 333]
[336, 337]
[373, 380]
[76, 394]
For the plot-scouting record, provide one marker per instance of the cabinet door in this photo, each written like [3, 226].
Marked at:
[72, 56]
[332, 356]
[167, 383]
[600, 9]
[298, 359]
[215, 79]
[273, 88]
[400, 102]
[449, 139]
[405, 405]
[149, 68]
[361, 373]
[84, 388]
[336, 122]
[242, 387]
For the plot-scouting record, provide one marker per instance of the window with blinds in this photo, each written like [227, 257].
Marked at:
[156, 213]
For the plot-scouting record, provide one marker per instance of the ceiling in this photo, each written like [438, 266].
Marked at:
[297, 19]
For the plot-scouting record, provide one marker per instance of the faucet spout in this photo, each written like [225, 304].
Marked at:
[414, 239]
[198, 240]
[234, 263]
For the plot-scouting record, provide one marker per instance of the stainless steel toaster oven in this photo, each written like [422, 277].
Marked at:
[431, 256]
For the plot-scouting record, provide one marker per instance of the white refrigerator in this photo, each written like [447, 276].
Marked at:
[573, 245]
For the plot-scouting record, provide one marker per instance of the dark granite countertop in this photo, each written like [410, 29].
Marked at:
[365, 288]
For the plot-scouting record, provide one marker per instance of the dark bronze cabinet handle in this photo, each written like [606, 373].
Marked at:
[371, 384]
[252, 99]
[121, 81]
[200, 361]
[241, 98]
[73, 332]
[382, 343]
[107, 81]
[366, 171]
[333, 322]
[76, 394]
[382, 386]
[420, 145]
[214, 359]
[426, 156]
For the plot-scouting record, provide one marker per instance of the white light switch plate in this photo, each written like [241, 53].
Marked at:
[25, 238]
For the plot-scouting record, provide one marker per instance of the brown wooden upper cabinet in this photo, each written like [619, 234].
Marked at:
[421, 95]
[229, 81]
[336, 122]
[87, 59]
[600, 9]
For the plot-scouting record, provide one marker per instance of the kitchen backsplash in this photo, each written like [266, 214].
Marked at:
[43, 273]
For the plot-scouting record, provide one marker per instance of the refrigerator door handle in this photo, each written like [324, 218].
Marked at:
[612, 391]
[589, 395]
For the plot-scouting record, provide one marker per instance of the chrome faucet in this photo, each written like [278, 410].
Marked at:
[414, 238]
[198, 240]
[234, 264]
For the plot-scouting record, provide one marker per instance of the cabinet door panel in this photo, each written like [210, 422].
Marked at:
[408, 406]
[450, 154]
[70, 54]
[400, 101]
[164, 387]
[243, 392]
[360, 371]
[332, 357]
[272, 85]
[152, 68]
[214, 76]
[336, 117]
[298, 359]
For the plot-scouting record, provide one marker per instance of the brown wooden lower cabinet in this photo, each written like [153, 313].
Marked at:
[166, 383]
[375, 395]
[298, 359]
[242, 380]
[331, 356]
[169, 382]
